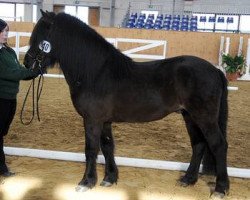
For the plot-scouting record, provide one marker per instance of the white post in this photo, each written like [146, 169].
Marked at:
[17, 44]
[227, 45]
[247, 75]
[222, 40]
[240, 46]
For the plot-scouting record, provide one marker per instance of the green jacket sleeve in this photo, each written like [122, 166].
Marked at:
[14, 73]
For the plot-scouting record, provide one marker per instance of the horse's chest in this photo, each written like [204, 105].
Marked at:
[97, 107]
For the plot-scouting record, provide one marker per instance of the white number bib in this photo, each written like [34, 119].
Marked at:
[45, 46]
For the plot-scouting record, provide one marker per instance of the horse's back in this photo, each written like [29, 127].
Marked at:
[196, 72]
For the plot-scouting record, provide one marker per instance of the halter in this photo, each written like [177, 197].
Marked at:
[37, 61]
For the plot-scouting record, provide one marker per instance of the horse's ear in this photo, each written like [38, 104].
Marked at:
[48, 16]
[47, 13]
[43, 13]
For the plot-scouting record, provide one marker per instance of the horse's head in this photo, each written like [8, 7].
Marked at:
[40, 51]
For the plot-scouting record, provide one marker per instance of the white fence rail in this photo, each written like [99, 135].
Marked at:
[149, 44]
[121, 161]
[17, 48]
[133, 52]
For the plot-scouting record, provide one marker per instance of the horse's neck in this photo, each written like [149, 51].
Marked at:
[68, 73]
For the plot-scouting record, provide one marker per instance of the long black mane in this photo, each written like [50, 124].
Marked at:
[81, 49]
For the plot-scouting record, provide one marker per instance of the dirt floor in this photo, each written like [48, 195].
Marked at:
[61, 129]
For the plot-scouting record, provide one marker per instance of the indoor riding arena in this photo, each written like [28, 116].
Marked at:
[48, 154]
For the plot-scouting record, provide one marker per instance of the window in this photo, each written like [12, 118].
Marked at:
[7, 11]
[12, 12]
[19, 12]
[70, 10]
[245, 23]
[34, 17]
[78, 11]
[83, 14]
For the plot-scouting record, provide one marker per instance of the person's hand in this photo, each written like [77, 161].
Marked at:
[37, 70]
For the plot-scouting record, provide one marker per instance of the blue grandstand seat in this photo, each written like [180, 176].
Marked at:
[139, 25]
[203, 19]
[149, 20]
[158, 22]
[221, 20]
[130, 25]
[184, 28]
[230, 20]
[177, 17]
[148, 24]
[211, 19]
[175, 28]
[193, 19]
[175, 23]
[151, 16]
[193, 25]
[157, 26]
[193, 28]
[140, 21]
[166, 27]
[160, 17]
[184, 23]
[168, 17]
[185, 18]
[166, 22]
[131, 20]
[133, 15]
[142, 16]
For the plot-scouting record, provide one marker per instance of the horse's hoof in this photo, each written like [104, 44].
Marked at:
[183, 184]
[81, 188]
[105, 184]
[184, 181]
[217, 195]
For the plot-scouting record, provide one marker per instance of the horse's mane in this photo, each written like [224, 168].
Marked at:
[85, 51]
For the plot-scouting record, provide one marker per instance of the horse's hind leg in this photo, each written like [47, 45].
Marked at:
[198, 145]
[208, 162]
[92, 144]
[107, 147]
[218, 146]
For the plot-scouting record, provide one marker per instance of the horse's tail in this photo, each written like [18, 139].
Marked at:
[223, 115]
[208, 159]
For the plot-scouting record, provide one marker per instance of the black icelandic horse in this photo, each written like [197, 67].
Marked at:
[107, 86]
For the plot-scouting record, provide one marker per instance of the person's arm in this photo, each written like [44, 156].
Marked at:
[17, 73]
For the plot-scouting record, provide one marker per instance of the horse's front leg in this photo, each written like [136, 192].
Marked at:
[92, 145]
[107, 147]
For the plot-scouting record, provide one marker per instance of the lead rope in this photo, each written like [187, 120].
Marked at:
[38, 95]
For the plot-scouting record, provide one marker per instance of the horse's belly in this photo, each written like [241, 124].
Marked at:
[140, 115]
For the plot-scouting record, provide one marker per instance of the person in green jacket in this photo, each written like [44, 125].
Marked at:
[11, 72]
